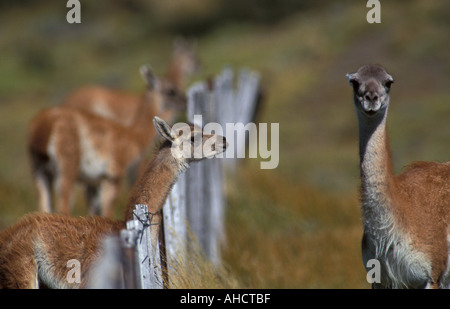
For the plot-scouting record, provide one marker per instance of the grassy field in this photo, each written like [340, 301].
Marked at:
[297, 226]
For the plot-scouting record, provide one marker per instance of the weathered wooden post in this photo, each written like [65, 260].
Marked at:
[246, 96]
[174, 228]
[128, 241]
[195, 182]
[148, 254]
[107, 272]
[214, 182]
[204, 179]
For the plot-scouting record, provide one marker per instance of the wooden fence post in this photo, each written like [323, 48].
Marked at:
[107, 272]
[195, 182]
[148, 254]
[174, 227]
[225, 110]
[247, 91]
[128, 241]
[214, 181]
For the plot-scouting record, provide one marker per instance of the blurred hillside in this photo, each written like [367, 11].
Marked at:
[297, 226]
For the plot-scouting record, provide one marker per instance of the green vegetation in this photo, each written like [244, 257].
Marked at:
[297, 226]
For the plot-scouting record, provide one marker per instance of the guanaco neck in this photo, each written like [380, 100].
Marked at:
[377, 178]
[175, 72]
[156, 182]
[142, 128]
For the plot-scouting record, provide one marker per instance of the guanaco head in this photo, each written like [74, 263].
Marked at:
[189, 142]
[172, 98]
[371, 85]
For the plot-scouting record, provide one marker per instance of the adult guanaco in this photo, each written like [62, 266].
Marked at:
[406, 217]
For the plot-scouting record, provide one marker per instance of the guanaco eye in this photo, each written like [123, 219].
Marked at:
[355, 86]
[171, 92]
[388, 84]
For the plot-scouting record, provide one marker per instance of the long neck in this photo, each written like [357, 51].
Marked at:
[142, 127]
[156, 182]
[377, 178]
[175, 72]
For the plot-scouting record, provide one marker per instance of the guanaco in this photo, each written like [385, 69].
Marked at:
[406, 217]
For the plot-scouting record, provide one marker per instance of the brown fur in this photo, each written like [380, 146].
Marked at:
[148, 189]
[108, 103]
[38, 247]
[423, 208]
[43, 243]
[124, 107]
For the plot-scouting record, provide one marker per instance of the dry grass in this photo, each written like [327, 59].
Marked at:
[191, 269]
[282, 235]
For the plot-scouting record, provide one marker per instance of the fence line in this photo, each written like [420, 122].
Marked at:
[196, 201]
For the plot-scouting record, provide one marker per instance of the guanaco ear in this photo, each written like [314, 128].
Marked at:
[148, 76]
[353, 80]
[389, 81]
[163, 128]
[351, 77]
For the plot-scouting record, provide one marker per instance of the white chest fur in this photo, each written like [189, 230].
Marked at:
[93, 165]
[401, 264]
